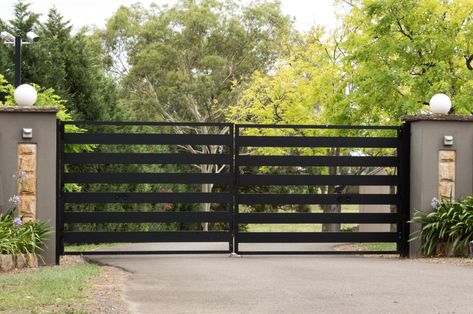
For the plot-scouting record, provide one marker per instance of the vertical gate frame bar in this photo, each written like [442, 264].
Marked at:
[236, 188]
[404, 187]
[59, 189]
[232, 188]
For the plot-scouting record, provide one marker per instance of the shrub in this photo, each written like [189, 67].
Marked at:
[17, 237]
[447, 230]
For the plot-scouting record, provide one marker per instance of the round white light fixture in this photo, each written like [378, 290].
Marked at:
[440, 103]
[25, 95]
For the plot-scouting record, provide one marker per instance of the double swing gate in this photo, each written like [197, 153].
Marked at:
[255, 189]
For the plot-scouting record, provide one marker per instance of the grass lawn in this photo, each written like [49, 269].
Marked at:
[59, 289]
[377, 246]
[299, 227]
[88, 247]
[284, 228]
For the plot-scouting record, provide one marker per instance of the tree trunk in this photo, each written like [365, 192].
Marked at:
[393, 207]
[332, 208]
[206, 188]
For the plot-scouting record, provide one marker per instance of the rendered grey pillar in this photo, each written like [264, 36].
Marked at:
[427, 139]
[42, 121]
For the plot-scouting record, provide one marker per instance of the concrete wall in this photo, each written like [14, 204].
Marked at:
[427, 139]
[43, 122]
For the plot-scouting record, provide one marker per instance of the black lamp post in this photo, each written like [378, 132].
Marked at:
[9, 39]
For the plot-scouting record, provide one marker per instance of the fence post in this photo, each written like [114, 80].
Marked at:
[59, 190]
[404, 188]
[29, 144]
[433, 139]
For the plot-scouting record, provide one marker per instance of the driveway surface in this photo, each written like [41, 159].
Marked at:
[290, 284]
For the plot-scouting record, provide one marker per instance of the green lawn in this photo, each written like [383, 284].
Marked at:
[60, 289]
[291, 227]
[88, 247]
[377, 246]
[284, 228]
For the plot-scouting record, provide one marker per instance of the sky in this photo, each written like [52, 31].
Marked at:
[307, 13]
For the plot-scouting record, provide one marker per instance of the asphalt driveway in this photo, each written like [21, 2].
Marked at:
[291, 284]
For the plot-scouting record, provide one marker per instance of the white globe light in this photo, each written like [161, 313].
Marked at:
[440, 103]
[25, 95]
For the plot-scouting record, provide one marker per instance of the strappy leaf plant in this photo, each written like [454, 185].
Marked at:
[447, 230]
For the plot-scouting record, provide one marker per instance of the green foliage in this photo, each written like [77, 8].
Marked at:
[17, 236]
[385, 59]
[304, 85]
[46, 97]
[65, 62]
[188, 62]
[29, 237]
[447, 230]
[400, 53]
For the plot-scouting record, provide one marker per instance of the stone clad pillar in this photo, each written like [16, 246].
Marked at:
[36, 156]
[439, 168]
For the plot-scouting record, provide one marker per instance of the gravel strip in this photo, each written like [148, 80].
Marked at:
[431, 260]
[106, 294]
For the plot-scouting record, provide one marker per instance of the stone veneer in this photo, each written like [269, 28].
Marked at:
[27, 184]
[446, 184]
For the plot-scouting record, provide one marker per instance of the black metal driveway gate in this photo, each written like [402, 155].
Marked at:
[271, 175]
[319, 159]
[124, 146]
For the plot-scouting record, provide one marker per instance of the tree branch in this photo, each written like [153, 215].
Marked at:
[468, 61]
[402, 31]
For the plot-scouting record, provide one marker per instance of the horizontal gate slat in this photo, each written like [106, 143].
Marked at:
[252, 199]
[125, 177]
[276, 218]
[96, 197]
[142, 217]
[151, 123]
[315, 126]
[145, 158]
[313, 141]
[312, 237]
[156, 139]
[251, 179]
[317, 161]
[168, 236]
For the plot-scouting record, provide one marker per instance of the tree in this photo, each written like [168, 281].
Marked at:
[65, 62]
[304, 89]
[403, 52]
[385, 60]
[189, 62]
